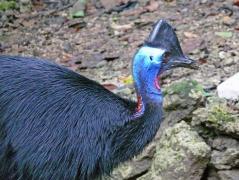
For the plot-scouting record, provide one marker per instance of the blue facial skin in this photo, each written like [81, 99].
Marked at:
[147, 65]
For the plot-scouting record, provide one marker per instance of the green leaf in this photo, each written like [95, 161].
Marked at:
[77, 14]
[224, 34]
[5, 5]
[128, 80]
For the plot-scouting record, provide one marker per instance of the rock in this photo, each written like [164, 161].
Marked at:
[130, 170]
[182, 95]
[217, 116]
[229, 175]
[180, 154]
[125, 92]
[180, 100]
[226, 153]
[212, 174]
[222, 142]
[147, 176]
[229, 89]
[229, 61]
[229, 21]
[136, 167]
[25, 5]
[222, 55]
[225, 159]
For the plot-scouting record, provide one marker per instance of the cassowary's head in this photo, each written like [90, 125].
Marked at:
[160, 52]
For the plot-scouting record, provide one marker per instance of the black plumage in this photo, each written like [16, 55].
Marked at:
[57, 124]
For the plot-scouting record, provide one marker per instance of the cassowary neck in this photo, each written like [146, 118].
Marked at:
[148, 92]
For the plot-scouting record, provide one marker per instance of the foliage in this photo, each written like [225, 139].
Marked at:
[6, 5]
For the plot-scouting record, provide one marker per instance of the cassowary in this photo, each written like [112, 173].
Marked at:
[58, 125]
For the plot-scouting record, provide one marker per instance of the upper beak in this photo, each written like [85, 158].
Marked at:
[185, 62]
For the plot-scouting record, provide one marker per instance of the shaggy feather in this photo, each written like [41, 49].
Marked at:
[56, 124]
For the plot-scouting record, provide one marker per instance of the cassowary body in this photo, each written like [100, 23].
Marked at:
[56, 124]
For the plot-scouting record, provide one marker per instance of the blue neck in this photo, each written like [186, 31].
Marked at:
[146, 84]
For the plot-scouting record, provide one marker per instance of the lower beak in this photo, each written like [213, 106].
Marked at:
[185, 62]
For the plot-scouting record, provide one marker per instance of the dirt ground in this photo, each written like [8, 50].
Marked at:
[102, 43]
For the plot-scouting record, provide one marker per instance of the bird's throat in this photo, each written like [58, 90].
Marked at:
[139, 108]
[152, 96]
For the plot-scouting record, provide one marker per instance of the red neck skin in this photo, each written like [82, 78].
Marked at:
[156, 82]
[140, 105]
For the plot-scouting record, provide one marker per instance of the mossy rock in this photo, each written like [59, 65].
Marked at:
[184, 88]
[182, 95]
[136, 167]
[217, 115]
[180, 154]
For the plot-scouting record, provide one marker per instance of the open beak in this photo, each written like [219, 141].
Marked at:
[184, 62]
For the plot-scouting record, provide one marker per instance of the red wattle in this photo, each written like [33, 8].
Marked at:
[139, 104]
[156, 82]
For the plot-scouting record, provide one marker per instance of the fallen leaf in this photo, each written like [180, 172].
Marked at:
[66, 57]
[110, 86]
[152, 6]
[236, 2]
[78, 14]
[224, 34]
[29, 23]
[202, 61]
[127, 80]
[122, 27]
[190, 35]
[78, 10]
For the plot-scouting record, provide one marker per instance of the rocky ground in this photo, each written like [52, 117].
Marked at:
[202, 132]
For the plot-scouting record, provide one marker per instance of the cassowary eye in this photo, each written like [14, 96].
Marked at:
[151, 58]
[166, 57]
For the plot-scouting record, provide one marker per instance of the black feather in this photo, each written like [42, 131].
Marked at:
[56, 124]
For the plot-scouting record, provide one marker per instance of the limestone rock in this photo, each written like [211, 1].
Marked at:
[229, 89]
[130, 170]
[182, 94]
[138, 166]
[221, 143]
[180, 154]
[180, 100]
[226, 153]
[219, 117]
[226, 159]
[229, 175]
